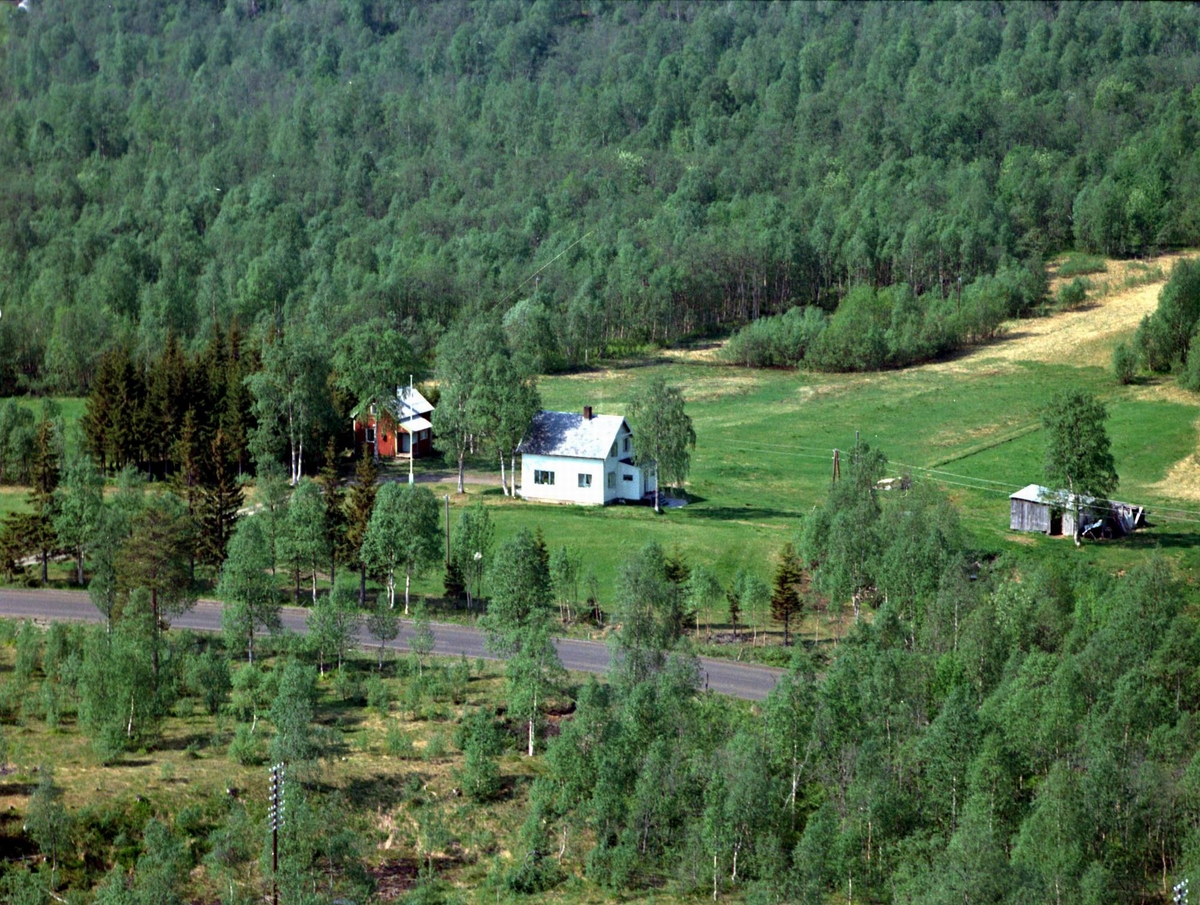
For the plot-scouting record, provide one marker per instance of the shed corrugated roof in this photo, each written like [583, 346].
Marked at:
[570, 434]
[1035, 493]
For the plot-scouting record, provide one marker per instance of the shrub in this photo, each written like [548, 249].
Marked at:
[1124, 364]
[379, 696]
[1078, 264]
[1073, 293]
[855, 339]
[435, 748]
[1163, 337]
[779, 341]
[246, 748]
[1190, 378]
[397, 742]
[346, 684]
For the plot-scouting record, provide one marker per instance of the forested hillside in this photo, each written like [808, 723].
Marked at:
[662, 167]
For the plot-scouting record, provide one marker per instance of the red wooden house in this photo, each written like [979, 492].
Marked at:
[401, 431]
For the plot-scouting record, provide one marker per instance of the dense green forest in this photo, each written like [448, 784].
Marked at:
[663, 168]
[991, 730]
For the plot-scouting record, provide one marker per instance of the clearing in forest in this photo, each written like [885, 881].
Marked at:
[1117, 302]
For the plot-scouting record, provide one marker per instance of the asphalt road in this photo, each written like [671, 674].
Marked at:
[739, 680]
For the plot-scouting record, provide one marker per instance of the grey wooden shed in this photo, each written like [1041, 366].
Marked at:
[1037, 508]
[1033, 509]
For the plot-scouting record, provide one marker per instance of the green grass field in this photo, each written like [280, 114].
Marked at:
[765, 440]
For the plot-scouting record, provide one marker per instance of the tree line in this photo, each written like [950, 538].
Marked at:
[600, 175]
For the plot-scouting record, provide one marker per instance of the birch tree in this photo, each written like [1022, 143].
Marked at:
[517, 627]
[1078, 453]
[306, 532]
[246, 588]
[403, 534]
[371, 361]
[471, 548]
[80, 502]
[291, 398]
[462, 352]
[663, 434]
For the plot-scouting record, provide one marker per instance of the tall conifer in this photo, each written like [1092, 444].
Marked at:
[785, 596]
[220, 497]
[335, 513]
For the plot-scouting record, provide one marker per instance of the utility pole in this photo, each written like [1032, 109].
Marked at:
[275, 816]
[837, 467]
[412, 451]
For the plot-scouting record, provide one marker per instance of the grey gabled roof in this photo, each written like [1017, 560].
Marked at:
[570, 434]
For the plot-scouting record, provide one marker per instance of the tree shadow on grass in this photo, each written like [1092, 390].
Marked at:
[740, 513]
[182, 742]
[383, 791]
[1167, 540]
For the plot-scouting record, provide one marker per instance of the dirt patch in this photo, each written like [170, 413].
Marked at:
[1086, 335]
[1182, 481]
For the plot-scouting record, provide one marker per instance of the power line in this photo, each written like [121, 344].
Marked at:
[775, 450]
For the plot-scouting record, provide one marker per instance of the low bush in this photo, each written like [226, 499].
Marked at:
[1124, 364]
[1073, 293]
[890, 327]
[1078, 264]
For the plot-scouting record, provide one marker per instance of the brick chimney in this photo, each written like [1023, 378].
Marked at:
[587, 413]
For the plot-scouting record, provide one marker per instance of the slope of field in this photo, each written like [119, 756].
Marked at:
[765, 438]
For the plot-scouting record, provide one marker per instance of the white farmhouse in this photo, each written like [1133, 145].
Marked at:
[588, 459]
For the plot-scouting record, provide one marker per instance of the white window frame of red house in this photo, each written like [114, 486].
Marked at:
[370, 433]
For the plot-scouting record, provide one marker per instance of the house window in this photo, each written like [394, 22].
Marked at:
[543, 477]
[585, 480]
[627, 477]
[626, 444]
[612, 480]
[370, 435]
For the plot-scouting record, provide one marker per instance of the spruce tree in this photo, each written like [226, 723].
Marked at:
[785, 596]
[220, 498]
[101, 407]
[335, 512]
[189, 475]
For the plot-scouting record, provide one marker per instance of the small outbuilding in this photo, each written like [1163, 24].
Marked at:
[588, 459]
[401, 430]
[1037, 508]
